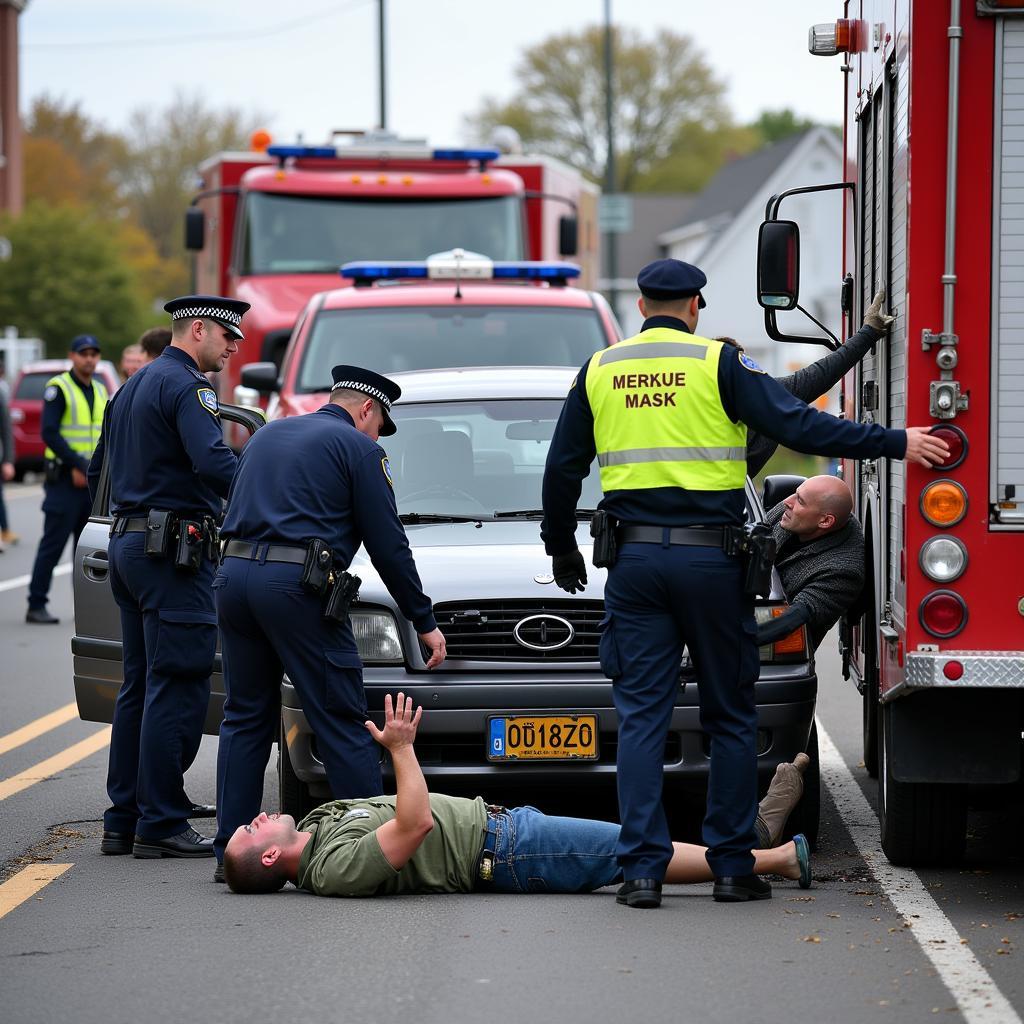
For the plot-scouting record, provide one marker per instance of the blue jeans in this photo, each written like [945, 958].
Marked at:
[534, 852]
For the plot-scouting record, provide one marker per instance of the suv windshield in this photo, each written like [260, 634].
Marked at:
[390, 340]
[306, 235]
[475, 458]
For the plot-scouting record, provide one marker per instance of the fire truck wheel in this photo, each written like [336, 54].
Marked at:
[806, 814]
[295, 798]
[922, 824]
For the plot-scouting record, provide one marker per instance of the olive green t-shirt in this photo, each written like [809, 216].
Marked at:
[344, 857]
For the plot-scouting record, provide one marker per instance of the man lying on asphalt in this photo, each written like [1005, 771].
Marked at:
[419, 842]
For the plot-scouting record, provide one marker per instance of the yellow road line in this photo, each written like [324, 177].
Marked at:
[26, 883]
[57, 763]
[38, 727]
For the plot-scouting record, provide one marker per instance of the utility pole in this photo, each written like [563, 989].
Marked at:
[382, 64]
[610, 238]
[11, 194]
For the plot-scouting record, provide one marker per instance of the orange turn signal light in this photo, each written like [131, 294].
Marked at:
[944, 503]
[795, 643]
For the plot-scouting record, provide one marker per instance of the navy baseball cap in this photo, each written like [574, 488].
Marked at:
[224, 311]
[376, 385]
[82, 342]
[667, 280]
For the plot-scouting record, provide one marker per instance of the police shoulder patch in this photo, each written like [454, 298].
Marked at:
[386, 466]
[749, 364]
[51, 393]
[208, 400]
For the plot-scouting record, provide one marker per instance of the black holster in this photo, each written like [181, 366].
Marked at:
[316, 570]
[606, 545]
[343, 592]
[191, 546]
[758, 551]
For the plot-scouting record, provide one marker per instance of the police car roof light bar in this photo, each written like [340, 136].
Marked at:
[482, 156]
[452, 268]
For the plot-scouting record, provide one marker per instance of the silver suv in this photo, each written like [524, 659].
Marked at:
[521, 701]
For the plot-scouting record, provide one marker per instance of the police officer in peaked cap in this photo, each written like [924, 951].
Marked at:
[665, 415]
[308, 492]
[169, 473]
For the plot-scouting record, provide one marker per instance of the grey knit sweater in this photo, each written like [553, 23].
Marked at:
[821, 578]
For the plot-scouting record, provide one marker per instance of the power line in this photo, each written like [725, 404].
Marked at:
[201, 38]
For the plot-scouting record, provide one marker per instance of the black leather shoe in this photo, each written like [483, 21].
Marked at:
[740, 888]
[643, 893]
[218, 873]
[200, 810]
[41, 617]
[186, 844]
[114, 843]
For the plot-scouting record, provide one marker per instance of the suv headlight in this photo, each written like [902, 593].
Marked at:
[376, 634]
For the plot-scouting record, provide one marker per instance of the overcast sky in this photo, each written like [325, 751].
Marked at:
[311, 65]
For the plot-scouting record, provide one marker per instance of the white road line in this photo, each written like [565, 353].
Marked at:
[22, 581]
[976, 994]
[14, 493]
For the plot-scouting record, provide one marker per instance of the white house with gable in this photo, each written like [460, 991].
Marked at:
[719, 235]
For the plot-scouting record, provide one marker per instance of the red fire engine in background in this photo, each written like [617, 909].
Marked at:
[934, 212]
[273, 226]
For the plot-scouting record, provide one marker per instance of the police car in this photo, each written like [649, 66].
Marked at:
[454, 309]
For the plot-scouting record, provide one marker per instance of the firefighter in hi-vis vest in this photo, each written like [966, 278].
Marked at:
[665, 414]
[73, 405]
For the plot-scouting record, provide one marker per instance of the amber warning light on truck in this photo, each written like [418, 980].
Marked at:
[830, 38]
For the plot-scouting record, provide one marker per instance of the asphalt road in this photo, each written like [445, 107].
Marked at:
[113, 939]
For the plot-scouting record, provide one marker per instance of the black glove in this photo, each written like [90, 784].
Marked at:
[570, 571]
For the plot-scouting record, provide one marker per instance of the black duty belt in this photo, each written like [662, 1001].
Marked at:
[683, 535]
[292, 553]
[132, 524]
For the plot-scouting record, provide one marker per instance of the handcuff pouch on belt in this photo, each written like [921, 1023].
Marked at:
[606, 546]
[755, 544]
[196, 538]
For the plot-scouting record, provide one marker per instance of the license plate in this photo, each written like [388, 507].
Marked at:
[542, 738]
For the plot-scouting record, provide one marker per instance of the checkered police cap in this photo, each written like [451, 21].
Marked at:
[366, 389]
[226, 312]
[368, 382]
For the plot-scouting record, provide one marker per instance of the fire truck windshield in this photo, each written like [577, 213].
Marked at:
[287, 234]
[390, 340]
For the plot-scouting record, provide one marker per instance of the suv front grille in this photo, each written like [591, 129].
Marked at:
[548, 631]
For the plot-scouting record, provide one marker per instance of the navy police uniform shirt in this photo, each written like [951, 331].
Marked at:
[53, 412]
[163, 437]
[317, 476]
[749, 395]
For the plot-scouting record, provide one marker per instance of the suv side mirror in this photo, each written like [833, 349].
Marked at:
[568, 236]
[777, 488]
[778, 264]
[261, 377]
[195, 229]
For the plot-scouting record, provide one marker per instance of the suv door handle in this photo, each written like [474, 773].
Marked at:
[98, 564]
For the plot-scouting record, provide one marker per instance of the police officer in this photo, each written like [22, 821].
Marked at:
[666, 414]
[169, 471]
[73, 405]
[309, 491]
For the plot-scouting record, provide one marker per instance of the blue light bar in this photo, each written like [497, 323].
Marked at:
[483, 155]
[286, 151]
[391, 270]
[535, 270]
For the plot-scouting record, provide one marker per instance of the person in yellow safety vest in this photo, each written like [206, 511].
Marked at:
[73, 405]
[665, 415]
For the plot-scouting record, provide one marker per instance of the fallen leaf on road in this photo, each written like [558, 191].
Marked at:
[811, 938]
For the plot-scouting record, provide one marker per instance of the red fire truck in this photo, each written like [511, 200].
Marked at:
[934, 212]
[273, 225]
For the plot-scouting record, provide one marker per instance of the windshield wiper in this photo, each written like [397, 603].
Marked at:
[537, 513]
[439, 517]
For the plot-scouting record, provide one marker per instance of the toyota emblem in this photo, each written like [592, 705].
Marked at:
[544, 632]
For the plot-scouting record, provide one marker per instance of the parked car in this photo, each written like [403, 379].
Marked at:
[443, 312]
[27, 408]
[521, 701]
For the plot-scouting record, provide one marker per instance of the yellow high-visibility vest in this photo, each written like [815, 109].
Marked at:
[79, 425]
[658, 416]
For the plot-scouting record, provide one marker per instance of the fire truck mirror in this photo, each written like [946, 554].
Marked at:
[195, 229]
[568, 236]
[778, 264]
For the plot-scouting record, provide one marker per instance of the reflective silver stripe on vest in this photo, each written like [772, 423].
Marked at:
[654, 350]
[695, 454]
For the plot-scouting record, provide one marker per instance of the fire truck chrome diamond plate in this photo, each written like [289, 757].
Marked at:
[981, 668]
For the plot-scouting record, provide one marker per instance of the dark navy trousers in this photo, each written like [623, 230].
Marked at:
[169, 630]
[270, 625]
[658, 598]
[66, 510]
